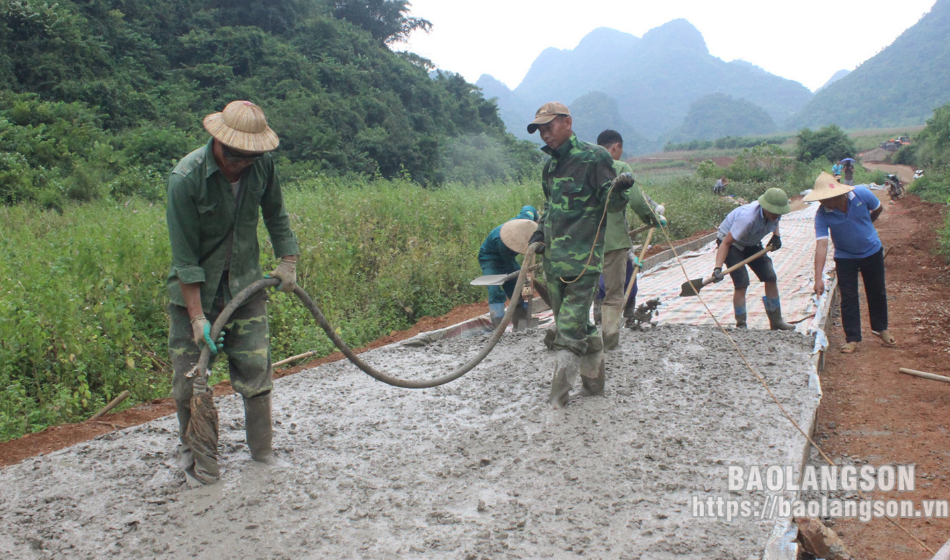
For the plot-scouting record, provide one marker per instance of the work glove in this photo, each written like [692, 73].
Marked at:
[637, 262]
[622, 182]
[775, 243]
[287, 272]
[537, 237]
[201, 329]
[717, 274]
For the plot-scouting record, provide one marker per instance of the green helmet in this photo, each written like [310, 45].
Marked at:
[775, 201]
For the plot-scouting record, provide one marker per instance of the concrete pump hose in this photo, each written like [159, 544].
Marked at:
[246, 294]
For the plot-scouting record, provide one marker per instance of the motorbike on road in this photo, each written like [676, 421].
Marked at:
[894, 187]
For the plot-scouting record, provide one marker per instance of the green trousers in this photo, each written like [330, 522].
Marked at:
[246, 342]
[571, 306]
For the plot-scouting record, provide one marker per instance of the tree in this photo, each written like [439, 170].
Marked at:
[829, 142]
[386, 20]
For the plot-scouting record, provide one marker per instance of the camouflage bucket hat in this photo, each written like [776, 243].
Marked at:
[547, 113]
[775, 201]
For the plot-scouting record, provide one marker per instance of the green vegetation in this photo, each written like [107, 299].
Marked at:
[725, 143]
[100, 97]
[901, 85]
[84, 299]
[830, 143]
[719, 115]
[933, 156]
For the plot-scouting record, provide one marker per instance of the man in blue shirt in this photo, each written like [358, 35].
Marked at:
[848, 213]
[497, 258]
[740, 237]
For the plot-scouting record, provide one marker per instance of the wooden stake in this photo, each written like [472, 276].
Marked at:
[925, 375]
[112, 404]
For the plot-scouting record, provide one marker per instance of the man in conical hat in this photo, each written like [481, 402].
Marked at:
[847, 215]
[497, 256]
[216, 195]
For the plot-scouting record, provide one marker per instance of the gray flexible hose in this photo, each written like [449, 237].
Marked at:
[246, 294]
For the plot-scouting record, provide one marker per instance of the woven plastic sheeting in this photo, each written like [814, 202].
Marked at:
[794, 266]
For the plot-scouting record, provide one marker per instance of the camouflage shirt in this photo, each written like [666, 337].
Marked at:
[618, 231]
[576, 182]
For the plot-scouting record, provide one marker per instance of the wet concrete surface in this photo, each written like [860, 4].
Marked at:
[480, 468]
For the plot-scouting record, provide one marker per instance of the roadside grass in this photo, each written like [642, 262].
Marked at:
[84, 299]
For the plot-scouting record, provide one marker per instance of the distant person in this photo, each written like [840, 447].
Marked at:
[618, 269]
[848, 213]
[720, 186]
[836, 169]
[580, 185]
[848, 173]
[740, 237]
[497, 257]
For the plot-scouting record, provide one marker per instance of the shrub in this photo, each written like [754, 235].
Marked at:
[830, 143]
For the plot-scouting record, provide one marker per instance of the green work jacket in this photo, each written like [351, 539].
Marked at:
[618, 229]
[576, 182]
[201, 210]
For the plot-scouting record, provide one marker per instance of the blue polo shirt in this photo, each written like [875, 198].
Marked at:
[853, 233]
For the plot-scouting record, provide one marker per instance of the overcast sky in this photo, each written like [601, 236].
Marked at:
[804, 40]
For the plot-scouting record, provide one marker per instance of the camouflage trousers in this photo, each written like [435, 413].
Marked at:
[246, 342]
[571, 306]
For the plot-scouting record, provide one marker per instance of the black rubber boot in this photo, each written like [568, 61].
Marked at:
[259, 429]
[740, 321]
[550, 335]
[566, 369]
[593, 370]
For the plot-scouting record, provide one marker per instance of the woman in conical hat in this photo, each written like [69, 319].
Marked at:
[497, 256]
[847, 216]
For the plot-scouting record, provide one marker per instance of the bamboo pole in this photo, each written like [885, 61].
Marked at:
[925, 375]
[112, 404]
[293, 358]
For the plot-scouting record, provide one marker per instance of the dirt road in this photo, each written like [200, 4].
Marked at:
[480, 468]
[870, 412]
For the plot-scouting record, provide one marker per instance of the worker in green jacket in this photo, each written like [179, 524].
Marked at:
[216, 195]
[580, 186]
[618, 263]
[494, 257]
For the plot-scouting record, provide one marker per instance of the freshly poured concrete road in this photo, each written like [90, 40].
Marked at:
[481, 468]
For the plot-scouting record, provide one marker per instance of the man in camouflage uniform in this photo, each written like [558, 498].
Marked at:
[580, 187]
[216, 195]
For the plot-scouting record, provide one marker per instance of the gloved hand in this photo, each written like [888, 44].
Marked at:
[537, 237]
[637, 262]
[717, 274]
[775, 243]
[622, 182]
[287, 272]
[201, 329]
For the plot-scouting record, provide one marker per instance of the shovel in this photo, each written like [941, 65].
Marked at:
[498, 279]
[693, 287]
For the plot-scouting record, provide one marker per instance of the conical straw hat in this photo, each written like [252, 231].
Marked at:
[242, 126]
[516, 233]
[826, 187]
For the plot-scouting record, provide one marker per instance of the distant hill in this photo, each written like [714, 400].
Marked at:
[719, 115]
[901, 85]
[834, 78]
[595, 112]
[653, 79]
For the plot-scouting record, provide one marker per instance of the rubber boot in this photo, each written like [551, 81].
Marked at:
[497, 312]
[259, 428]
[773, 308]
[186, 458]
[549, 335]
[598, 311]
[741, 317]
[593, 371]
[611, 327]
[566, 369]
